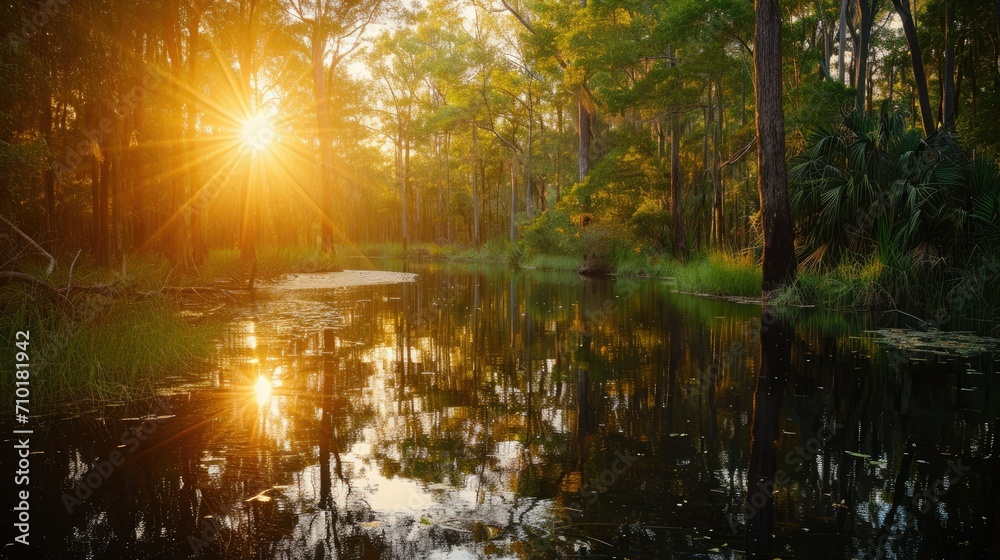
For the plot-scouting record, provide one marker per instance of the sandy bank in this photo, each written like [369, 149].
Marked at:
[342, 279]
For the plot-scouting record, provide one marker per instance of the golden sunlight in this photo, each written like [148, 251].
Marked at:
[257, 131]
[263, 390]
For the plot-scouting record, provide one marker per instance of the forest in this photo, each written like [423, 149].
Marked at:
[618, 130]
[617, 135]
[521, 279]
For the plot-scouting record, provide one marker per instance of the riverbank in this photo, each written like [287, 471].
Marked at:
[114, 335]
[926, 289]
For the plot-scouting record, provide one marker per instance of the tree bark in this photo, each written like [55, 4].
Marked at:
[843, 42]
[772, 181]
[248, 229]
[948, 87]
[326, 170]
[527, 155]
[48, 176]
[676, 216]
[176, 232]
[198, 248]
[910, 31]
[513, 195]
[101, 212]
[405, 185]
[559, 127]
[475, 184]
[864, 40]
[718, 198]
[585, 124]
[584, 151]
[447, 185]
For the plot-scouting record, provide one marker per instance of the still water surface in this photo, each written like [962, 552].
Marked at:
[489, 413]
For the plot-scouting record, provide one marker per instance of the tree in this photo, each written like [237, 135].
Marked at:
[334, 29]
[868, 11]
[920, 79]
[772, 181]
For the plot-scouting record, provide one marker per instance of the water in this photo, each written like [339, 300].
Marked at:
[520, 414]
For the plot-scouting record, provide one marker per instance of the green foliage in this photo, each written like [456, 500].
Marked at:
[892, 214]
[870, 185]
[720, 273]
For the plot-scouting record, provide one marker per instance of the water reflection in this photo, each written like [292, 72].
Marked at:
[488, 413]
[776, 336]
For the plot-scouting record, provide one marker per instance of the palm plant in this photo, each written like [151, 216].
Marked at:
[842, 182]
[870, 187]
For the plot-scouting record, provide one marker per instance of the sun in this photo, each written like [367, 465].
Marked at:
[263, 389]
[257, 131]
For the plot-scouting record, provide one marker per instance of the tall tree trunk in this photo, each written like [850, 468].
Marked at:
[718, 198]
[513, 195]
[948, 86]
[101, 212]
[827, 50]
[996, 15]
[198, 248]
[248, 231]
[843, 42]
[910, 31]
[676, 216]
[772, 181]
[585, 117]
[559, 127]
[584, 151]
[475, 184]
[864, 39]
[852, 8]
[527, 156]
[117, 223]
[48, 176]
[99, 204]
[447, 184]
[326, 170]
[405, 193]
[176, 232]
[95, 203]
[708, 114]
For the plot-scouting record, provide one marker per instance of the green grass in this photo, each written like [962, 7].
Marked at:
[873, 284]
[715, 273]
[100, 350]
[553, 262]
[719, 273]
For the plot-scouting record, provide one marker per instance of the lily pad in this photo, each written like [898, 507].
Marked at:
[942, 343]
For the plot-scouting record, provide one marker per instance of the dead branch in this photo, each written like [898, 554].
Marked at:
[33, 243]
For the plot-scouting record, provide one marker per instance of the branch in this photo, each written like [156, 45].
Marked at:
[739, 155]
[562, 62]
[28, 279]
[52, 261]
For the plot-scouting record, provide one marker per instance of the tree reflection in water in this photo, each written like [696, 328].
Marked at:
[487, 412]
